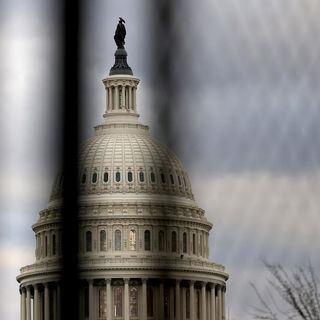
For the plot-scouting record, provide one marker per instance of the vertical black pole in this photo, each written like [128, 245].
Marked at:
[69, 281]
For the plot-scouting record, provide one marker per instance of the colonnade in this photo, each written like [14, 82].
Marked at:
[171, 300]
[40, 302]
[121, 97]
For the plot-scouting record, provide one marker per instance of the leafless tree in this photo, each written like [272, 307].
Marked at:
[290, 294]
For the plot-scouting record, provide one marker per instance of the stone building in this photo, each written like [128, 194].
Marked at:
[143, 246]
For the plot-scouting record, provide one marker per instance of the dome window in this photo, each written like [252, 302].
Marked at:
[163, 178]
[45, 246]
[117, 301]
[117, 240]
[194, 244]
[132, 240]
[133, 298]
[173, 241]
[184, 181]
[118, 176]
[88, 241]
[54, 244]
[84, 178]
[141, 176]
[153, 177]
[171, 179]
[94, 177]
[106, 177]
[130, 176]
[147, 238]
[102, 303]
[184, 242]
[103, 240]
[179, 180]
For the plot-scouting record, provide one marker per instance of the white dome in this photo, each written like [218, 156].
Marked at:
[114, 161]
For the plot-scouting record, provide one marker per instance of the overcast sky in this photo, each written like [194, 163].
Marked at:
[244, 116]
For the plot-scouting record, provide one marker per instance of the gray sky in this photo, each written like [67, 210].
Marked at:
[245, 121]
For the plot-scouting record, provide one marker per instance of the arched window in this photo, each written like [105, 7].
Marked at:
[133, 297]
[152, 177]
[184, 181]
[130, 176]
[161, 240]
[141, 176]
[54, 244]
[184, 242]
[105, 177]
[103, 240]
[163, 178]
[149, 301]
[117, 240]
[117, 301]
[84, 178]
[179, 180]
[194, 244]
[132, 240]
[102, 303]
[171, 179]
[88, 241]
[118, 176]
[94, 177]
[173, 241]
[147, 240]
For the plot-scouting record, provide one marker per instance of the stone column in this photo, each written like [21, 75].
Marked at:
[144, 299]
[126, 299]
[134, 106]
[161, 301]
[109, 102]
[90, 292]
[223, 307]
[109, 299]
[219, 303]
[192, 301]
[36, 304]
[203, 301]
[28, 307]
[123, 97]
[116, 98]
[178, 306]
[130, 98]
[23, 304]
[213, 302]
[184, 305]
[46, 302]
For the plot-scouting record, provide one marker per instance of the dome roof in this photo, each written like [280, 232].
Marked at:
[128, 161]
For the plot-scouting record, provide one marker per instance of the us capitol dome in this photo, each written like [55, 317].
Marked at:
[143, 240]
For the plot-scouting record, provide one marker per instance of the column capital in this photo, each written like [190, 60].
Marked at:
[192, 282]
[126, 280]
[212, 285]
[90, 281]
[178, 281]
[108, 280]
[144, 280]
[203, 284]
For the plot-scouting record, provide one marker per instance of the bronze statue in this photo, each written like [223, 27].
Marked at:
[120, 34]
